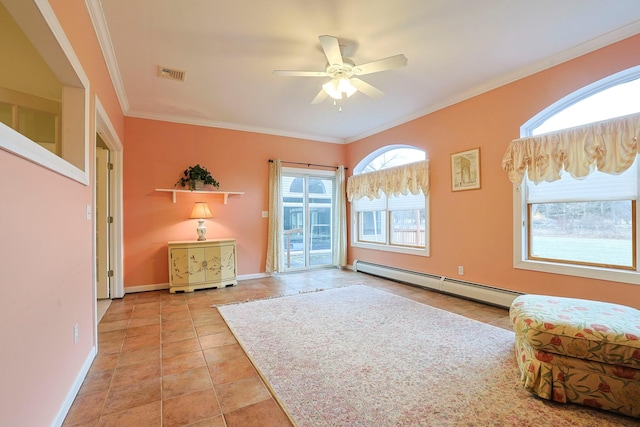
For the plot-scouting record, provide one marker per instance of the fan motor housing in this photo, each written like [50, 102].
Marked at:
[346, 69]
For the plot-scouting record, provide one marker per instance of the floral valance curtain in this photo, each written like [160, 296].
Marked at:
[610, 145]
[409, 178]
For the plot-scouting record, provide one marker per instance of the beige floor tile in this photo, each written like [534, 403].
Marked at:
[211, 328]
[149, 415]
[86, 409]
[264, 414]
[132, 357]
[189, 408]
[175, 348]
[177, 326]
[136, 372]
[143, 330]
[141, 341]
[184, 382]
[96, 382]
[183, 362]
[144, 321]
[223, 353]
[104, 362]
[134, 394]
[179, 335]
[231, 370]
[111, 326]
[241, 393]
[217, 340]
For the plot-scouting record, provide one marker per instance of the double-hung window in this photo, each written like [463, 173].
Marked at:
[389, 205]
[576, 175]
[589, 221]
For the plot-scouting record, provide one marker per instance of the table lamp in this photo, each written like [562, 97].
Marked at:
[200, 212]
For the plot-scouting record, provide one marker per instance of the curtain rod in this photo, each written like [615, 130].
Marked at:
[307, 164]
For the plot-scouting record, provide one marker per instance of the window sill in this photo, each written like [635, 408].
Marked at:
[395, 249]
[20, 145]
[631, 277]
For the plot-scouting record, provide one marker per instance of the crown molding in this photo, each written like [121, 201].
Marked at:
[104, 39]
[232, 126]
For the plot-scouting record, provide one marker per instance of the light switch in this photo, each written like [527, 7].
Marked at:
[88, 212]
[265, 214]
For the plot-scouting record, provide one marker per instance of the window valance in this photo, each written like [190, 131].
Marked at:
[610, 145]
[409, 178]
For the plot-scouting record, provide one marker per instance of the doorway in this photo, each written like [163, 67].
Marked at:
[308, 212]
[103, 220]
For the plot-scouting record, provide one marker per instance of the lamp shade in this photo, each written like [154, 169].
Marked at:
[200, 211]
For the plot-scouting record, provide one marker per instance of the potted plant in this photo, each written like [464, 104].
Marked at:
[197, 176]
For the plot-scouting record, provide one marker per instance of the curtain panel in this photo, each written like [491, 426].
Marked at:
[610, 146]
[274, 262]
[340, 221]
[409, 178]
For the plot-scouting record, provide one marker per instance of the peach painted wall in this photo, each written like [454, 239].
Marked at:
[46, 259]
[474, 228]
[157, 153]
[75, 19]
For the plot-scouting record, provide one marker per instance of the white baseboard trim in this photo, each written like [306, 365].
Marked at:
[68, 401]
[146, 288]
[253, 276]
[473, 291]
[163, 286]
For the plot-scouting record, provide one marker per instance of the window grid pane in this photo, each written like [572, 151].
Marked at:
[372, 227]
[408, 227]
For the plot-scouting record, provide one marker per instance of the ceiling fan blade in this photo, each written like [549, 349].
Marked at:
[321, 96]
[367, 89]
[331, 49]
[290, 73]
[389, 63]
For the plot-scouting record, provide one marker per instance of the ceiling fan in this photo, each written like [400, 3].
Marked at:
[342, 71]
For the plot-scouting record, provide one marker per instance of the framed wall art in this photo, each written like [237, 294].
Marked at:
[465, 170]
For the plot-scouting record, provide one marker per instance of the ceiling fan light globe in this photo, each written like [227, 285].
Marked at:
[331, 89]
[344, 84]
[350, 90]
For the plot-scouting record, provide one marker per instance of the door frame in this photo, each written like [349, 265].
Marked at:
[308, 173]
[107, 132]
[102, 212]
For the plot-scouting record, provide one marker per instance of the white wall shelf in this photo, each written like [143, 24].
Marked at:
[225, 194]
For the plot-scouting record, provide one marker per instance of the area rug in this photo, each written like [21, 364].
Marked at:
[359, 356]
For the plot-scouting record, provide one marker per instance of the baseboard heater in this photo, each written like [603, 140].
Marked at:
[474, 291]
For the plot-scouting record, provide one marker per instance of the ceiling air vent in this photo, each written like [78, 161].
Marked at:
[171, 74]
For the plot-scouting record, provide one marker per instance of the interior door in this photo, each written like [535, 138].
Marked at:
[102, 223]
[308, 209]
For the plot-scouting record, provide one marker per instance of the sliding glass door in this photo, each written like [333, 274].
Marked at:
[308, 211]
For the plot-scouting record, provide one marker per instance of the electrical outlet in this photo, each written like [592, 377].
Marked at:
[75, 333]
[461, 270]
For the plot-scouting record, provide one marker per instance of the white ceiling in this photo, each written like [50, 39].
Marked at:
[456, 49]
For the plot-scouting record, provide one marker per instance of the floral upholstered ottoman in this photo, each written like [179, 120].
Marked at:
[581, 351]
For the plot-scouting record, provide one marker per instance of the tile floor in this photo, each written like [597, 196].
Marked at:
[170, 360]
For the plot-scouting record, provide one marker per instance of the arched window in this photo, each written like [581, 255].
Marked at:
[397, 223]
[582, 226]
